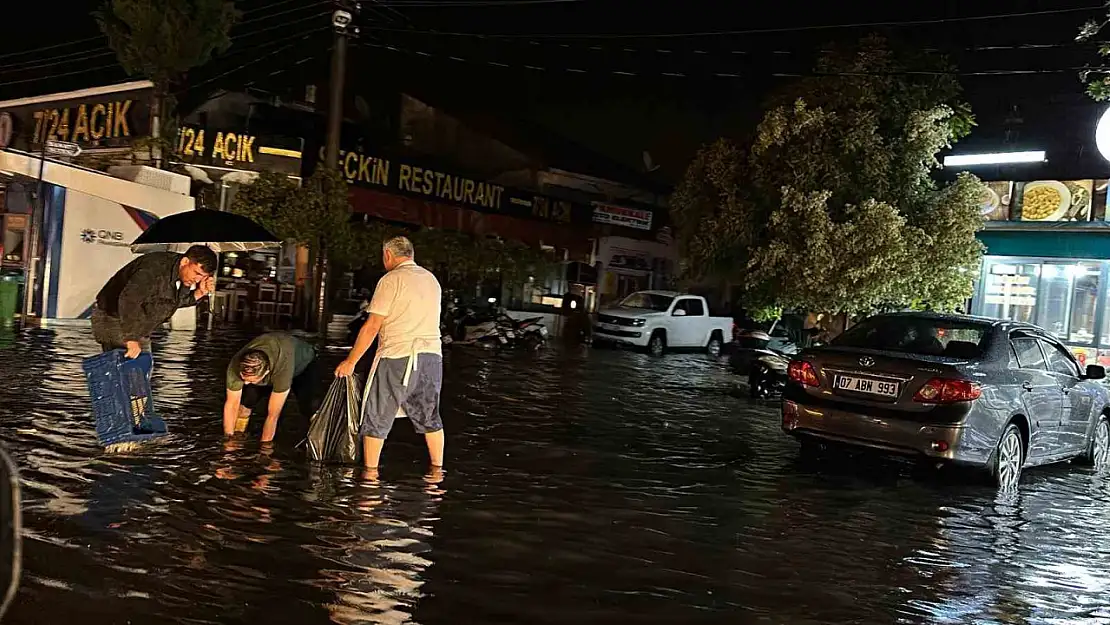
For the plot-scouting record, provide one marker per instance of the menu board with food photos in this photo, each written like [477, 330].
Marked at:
[1056, 200]
[996, 200]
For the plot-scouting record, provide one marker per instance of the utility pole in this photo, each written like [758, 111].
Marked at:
[342, 21]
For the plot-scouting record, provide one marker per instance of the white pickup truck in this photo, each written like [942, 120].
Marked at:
[661, 321]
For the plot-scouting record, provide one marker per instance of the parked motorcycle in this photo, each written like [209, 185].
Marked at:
[502, 331]
[767, 376]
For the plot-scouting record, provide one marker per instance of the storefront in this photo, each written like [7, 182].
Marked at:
[1048, 260]
[631, 263]
[89, 222]
[260, 285]
[103, 122]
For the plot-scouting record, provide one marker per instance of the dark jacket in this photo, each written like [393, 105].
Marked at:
[145, 294]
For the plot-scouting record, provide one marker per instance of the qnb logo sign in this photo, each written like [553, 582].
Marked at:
[103, 237]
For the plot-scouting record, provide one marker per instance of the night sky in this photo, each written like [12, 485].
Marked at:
[620, 76]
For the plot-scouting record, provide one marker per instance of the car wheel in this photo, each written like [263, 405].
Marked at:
[1098, 453]
[657, 345]
[1009, 457]
[713, 348]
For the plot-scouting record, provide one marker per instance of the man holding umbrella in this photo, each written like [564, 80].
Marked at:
[145, 294]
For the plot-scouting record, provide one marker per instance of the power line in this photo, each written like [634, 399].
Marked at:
[50, 47]
[270, 16]
[535, 68]
[257, 59]
[758, 31]
[473, 3]
[624, 48]
[104, 50]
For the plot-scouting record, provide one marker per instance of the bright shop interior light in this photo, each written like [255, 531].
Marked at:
[994, 158]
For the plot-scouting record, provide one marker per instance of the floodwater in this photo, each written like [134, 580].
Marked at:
[582, 487]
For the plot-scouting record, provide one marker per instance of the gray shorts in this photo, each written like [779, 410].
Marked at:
[108, 332]
[387, 393]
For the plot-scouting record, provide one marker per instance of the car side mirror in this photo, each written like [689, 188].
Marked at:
[679, 312]
[1095, 372]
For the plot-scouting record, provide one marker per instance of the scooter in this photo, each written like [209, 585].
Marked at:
[531, 332]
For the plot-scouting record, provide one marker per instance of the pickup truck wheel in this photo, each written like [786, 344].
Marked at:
[713, 348]
[657, 345]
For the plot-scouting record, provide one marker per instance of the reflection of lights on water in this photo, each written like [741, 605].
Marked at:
[379, 548]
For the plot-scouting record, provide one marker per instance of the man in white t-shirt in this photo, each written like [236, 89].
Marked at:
[407, 373]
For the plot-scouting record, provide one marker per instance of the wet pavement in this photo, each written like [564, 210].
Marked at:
[582, 487]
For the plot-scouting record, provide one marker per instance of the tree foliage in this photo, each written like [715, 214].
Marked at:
[1097, 78]
[161, 41]
[833, 206]
[319, 212]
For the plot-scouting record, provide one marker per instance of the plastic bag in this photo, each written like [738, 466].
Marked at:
[333, 432]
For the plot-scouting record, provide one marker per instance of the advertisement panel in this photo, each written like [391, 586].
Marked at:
[622, 216]
[96, 236]
[108, 117]
[1056, 200]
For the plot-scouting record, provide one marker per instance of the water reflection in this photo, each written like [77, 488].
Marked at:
[583, 486]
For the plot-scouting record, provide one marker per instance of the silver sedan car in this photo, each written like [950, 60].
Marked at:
[983, 392]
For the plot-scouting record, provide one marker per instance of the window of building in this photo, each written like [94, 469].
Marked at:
[1084, 302]
[1010, 291]
[1053, 298]
[1061, 297]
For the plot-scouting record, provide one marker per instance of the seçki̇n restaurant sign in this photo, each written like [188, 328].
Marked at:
[407, 177]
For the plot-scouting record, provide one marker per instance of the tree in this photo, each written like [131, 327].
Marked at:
[311, 214]
[833, 206]
[318, 213]
[1096, 78]
[162, 40]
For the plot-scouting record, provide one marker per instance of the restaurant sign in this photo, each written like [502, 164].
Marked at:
[622, 216]
[106, 121]
[418, 180]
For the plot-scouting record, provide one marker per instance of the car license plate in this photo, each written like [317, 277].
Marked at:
[867, 386]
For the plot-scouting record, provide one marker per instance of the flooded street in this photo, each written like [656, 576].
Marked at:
[582, 487]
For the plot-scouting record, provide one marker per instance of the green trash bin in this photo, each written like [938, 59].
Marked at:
[9, 299]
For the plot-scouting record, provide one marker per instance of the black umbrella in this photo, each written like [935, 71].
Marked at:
[219, 230]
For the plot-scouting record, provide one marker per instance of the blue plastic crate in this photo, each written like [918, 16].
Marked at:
[121, 397]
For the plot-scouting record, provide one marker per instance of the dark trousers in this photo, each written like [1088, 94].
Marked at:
[108, 332]
[305, 389]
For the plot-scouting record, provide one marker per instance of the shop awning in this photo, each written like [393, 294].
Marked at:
[1089, 240]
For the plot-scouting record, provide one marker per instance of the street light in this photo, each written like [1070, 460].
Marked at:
[1000, 158]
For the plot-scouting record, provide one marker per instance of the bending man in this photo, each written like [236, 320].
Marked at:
[145, 294]
[272, 365]
[407, 373]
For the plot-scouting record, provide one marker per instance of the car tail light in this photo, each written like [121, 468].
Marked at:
[945, 391]
[802, 372]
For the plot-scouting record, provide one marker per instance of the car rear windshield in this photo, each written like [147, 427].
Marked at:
[926, 336]
[650, 301]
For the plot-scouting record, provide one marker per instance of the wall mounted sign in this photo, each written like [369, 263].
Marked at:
[238, 150]
[410, 178]
[622, 216]
[107, 121]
